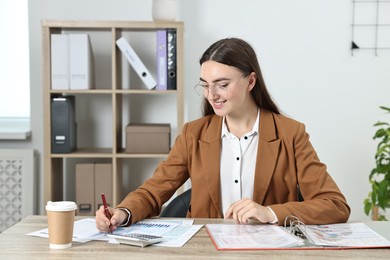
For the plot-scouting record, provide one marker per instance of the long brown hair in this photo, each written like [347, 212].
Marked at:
[239, 54]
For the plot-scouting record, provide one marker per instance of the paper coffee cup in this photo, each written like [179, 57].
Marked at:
[60, 217]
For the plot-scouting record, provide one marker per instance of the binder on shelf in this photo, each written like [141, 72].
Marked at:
[80, 62]
[63, 124]
[136, 63]
[60, 61]
[85, 190]
[162, 69]
[103, 183]
[171, 53]
[71, 62]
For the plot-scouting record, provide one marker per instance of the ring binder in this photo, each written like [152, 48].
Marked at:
[162, 62]
[171, 55]
[336, 236]
[136, 63]
[295, 226]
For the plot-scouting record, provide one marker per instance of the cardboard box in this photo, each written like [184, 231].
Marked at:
[85, 189]
[148, 138]
[92, 179]
[103, 183]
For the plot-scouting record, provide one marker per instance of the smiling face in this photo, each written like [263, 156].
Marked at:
[226, 88]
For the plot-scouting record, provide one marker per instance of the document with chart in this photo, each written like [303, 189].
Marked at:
[176, 232]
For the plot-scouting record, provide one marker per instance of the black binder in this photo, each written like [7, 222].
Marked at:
[63, 124]
[171, 55]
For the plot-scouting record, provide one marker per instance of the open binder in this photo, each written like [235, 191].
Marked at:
[297, 236]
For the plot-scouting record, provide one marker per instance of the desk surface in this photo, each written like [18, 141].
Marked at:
[15, 244]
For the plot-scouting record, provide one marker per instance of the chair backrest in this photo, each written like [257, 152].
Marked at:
[179, 206]
[299, 197]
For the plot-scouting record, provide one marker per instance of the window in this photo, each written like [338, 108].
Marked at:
[14, 65]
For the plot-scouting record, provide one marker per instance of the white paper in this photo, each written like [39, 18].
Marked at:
[178, 236]
[175, 232]
[239, 236]
[157, 228]
[344, 235]
[84, 230]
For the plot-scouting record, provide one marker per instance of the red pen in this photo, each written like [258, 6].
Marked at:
[106, 211]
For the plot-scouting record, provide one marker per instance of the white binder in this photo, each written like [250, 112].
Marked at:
[80, 61]
[59, 61]
[136, 63]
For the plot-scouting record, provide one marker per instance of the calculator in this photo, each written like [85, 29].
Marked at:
[137, 239]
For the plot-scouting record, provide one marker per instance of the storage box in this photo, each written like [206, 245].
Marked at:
[85, 189]
[148, 138]
[103, 184]
[92, 179]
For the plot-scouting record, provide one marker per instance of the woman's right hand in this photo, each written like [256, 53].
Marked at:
[103, 224]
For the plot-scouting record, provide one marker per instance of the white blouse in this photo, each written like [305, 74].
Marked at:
[238, 162]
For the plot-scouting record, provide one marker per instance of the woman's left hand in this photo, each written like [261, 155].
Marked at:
[242, 210]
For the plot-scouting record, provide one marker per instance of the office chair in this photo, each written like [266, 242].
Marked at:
[299, 196]
[179, 206]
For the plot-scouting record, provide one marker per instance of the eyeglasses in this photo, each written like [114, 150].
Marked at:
[203, 89]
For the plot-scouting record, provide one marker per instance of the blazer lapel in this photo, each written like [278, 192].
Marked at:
[210, 146]
[267, 154]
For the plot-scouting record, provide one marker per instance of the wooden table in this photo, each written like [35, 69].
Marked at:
[15, 244]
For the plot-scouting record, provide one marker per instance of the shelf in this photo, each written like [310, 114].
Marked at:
[86, 91]
[117, 99]
[140, 155]
[105, 153]
[148, 92]
[117, 91]
[101, 25]
[86, 153]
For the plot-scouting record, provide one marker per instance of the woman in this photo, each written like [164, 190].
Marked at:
[245, 160]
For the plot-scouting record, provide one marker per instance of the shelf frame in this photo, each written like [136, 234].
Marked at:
[54, 163]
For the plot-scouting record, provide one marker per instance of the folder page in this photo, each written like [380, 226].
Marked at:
[250, 237]
[352, 235]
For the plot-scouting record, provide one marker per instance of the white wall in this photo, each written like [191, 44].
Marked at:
[303, 48]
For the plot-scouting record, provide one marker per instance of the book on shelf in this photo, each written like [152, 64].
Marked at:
[162, 69]
[171, 54]
[71, 62]
[136, 63]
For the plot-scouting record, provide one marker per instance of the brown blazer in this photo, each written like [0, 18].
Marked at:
[285, 159]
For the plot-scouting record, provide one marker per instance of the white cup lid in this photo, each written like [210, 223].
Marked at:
[61, 206]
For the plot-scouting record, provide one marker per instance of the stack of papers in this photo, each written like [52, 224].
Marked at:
[175, 232]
